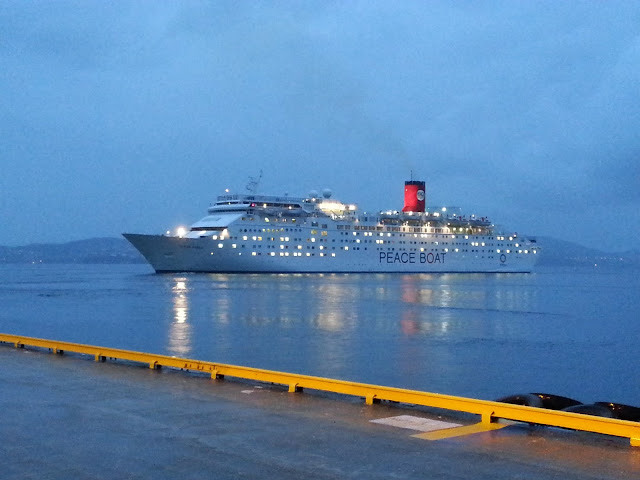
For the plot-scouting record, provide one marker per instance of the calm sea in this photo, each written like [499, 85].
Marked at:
[568, 332]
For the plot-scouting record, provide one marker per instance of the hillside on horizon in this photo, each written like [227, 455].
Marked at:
[108, 250]
[564, 253]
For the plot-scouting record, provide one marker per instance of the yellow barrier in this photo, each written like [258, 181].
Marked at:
[488, 410]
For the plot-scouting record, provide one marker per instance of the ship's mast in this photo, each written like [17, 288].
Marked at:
[252, 186]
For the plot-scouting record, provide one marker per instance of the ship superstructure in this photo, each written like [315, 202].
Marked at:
[268, 233]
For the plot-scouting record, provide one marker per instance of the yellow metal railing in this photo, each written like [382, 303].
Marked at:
[488, 410]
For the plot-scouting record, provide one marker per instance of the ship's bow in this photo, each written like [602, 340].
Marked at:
[156, 249]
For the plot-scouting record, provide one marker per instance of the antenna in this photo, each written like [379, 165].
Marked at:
[252, 186]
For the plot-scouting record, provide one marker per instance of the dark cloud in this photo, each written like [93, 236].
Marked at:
[134, 116]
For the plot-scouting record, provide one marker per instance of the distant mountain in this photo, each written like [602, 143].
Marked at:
[563, 253]
[94, 250]
[117, 250]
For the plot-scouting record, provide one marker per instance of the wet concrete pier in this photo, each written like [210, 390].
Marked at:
[68, 418]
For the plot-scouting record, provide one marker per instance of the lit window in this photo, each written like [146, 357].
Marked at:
[220, 245]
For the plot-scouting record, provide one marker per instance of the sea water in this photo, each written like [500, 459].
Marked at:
[568, 332]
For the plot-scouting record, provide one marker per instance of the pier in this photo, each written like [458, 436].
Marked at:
[490, 413]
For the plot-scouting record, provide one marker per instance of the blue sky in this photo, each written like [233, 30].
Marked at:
[132, 116]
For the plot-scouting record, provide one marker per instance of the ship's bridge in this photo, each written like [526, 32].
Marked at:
[237, 202]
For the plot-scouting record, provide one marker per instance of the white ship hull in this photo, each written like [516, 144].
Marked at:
[175, 254]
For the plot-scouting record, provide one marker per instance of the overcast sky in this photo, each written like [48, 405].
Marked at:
[132, 116]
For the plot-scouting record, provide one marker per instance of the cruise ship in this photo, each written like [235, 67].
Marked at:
[252, 233]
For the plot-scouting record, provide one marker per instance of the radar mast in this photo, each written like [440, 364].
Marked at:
[252, 186]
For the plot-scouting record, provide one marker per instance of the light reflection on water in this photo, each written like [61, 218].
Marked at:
[477, 335]
[179, 331]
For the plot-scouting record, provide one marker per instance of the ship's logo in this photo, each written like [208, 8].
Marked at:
[420, 195]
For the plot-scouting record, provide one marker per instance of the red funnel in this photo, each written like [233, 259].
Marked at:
[414, 196]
